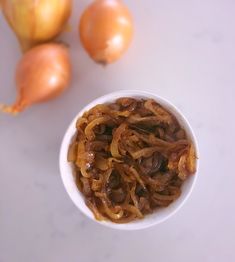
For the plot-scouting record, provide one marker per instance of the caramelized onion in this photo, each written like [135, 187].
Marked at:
[111, 213]
[116, 137]
[130, 157]
[89, 132]
[162, 114]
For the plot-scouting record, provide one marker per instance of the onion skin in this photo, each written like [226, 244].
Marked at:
[36, 21]
[43, 73]
[106, 30]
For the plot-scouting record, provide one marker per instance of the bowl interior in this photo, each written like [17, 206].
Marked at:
[67, 171]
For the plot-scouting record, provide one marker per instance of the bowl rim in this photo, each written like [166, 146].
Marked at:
[109, 97]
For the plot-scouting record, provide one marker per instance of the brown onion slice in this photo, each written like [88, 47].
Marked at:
[162, 114]
[98, 121]
[132, 209]
[116, 137]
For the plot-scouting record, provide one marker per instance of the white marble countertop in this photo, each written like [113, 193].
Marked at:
[184, 51]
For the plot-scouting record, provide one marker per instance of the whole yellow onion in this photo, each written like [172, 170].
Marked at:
[36, 21]
[43, 73]
[106, 30]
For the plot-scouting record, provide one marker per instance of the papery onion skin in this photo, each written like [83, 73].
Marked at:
[43, 73]
[36, 21]
[106, 30]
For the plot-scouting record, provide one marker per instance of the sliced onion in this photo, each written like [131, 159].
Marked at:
[116, 137]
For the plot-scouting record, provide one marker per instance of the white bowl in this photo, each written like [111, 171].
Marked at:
[78, 199]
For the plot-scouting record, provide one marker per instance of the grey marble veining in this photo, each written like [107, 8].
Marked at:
[184, 51]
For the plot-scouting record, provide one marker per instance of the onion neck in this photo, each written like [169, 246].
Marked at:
[15, 109]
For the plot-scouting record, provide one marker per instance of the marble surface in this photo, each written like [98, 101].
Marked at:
[184, 51]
